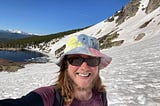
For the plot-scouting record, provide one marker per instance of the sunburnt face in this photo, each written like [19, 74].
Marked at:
[84, 75]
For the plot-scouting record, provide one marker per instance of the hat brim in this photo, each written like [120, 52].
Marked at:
[105, 60]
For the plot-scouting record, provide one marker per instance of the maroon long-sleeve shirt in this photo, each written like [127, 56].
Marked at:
[45, 96]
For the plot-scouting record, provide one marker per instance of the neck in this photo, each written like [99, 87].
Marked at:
[83, 94]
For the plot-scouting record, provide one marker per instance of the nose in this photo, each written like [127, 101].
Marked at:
[84, 65]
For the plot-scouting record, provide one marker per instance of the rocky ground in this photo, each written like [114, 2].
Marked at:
[11, 66]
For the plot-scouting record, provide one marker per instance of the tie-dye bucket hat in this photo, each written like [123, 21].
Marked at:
[86, 45]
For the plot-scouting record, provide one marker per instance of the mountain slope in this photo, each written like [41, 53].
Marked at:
[137, 21]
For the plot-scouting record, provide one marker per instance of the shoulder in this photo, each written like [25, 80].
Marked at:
[45, 90]
[47, 94]
[102, 96]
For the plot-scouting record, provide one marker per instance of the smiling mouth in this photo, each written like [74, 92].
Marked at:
[84, 74]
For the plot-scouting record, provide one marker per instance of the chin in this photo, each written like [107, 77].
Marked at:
[84, 87]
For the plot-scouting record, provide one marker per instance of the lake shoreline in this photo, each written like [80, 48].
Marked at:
[11, 66]
[12, 49]
[21, 55]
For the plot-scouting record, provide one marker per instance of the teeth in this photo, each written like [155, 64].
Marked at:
[84, 75]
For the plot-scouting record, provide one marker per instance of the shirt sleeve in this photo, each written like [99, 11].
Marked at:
[31, 99]
[47, 94]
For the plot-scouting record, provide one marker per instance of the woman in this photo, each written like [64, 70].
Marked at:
[79, 82]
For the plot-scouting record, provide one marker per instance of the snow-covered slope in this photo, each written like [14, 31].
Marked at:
[132, 78]
[135, 29]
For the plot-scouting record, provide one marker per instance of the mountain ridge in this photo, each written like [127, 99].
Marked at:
[13, 34]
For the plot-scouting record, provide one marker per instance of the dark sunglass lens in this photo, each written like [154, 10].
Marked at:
[76, 61]
[93, 61]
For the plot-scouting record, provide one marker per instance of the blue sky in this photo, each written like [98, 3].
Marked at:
[52, 16]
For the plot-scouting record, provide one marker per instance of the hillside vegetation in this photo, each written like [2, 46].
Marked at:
[36, 40]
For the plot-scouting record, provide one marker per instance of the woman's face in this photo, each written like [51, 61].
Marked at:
[82, 75]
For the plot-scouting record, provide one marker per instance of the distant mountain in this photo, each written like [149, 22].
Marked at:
[13, 34]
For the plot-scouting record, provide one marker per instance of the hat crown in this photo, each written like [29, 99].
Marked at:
[81, 40]
[85, 45]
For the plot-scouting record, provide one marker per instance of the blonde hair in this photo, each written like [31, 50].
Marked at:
[65, 84]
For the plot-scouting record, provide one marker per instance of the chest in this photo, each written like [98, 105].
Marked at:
[92, 102]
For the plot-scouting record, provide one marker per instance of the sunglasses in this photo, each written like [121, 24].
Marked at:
[77, 61]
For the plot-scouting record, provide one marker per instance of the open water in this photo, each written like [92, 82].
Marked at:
[23, 56]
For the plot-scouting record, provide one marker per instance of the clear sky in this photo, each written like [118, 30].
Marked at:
[52, 16]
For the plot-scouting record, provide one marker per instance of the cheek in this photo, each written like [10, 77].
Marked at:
[95, 71]
[72, 68]
[95, 68]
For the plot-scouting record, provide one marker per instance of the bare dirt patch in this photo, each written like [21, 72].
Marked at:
[11, 66]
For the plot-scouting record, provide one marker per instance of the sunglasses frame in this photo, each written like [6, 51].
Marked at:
[80, 60]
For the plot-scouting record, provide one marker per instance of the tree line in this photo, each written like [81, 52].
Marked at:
[36, 40]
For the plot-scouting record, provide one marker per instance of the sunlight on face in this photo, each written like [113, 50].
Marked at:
[83, 76]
